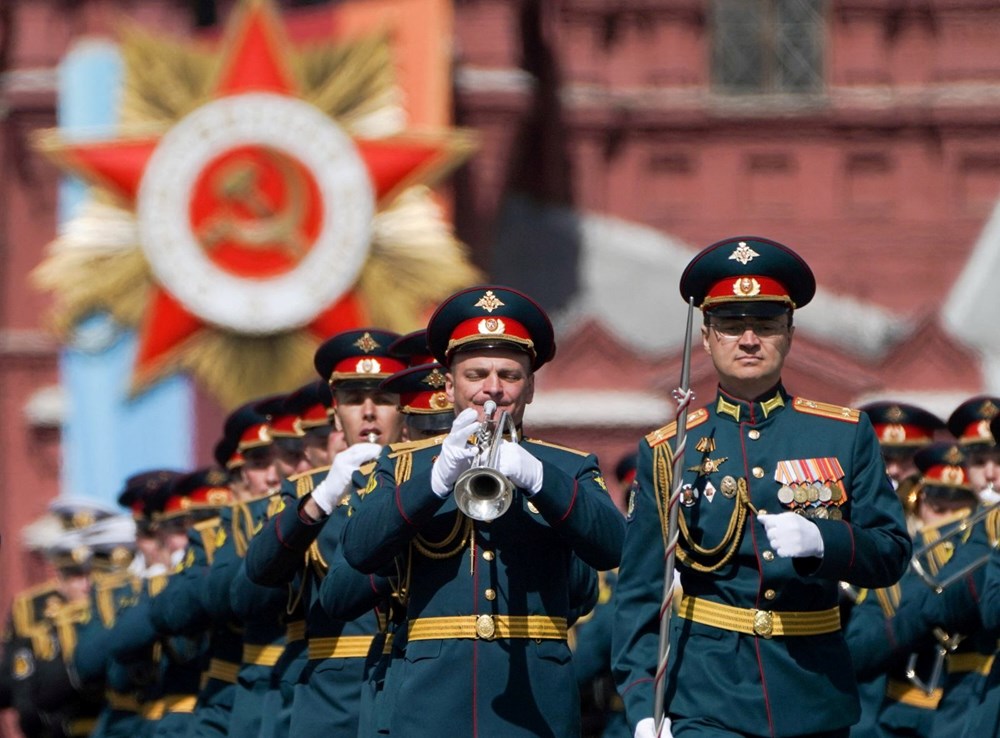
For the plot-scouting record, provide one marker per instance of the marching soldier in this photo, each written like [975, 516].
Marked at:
[902, 430]
[298, 543]
[781, 498]
[488, 603]
[910, 699]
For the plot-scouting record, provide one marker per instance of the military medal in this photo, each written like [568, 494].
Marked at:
[800, 495]
[728, 486]
[812, 493]
[709, 491]
[834, 513]
[825, 493]
[811, 481]
[688, 495]
[706, 445]
[785, 495]
[708, 466]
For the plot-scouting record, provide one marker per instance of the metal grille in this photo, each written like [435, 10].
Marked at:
[767, 46]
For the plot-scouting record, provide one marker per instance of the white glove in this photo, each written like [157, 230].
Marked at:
[519, 466]
[456, 453]
[646, 728]
[331, 491]
[792, 535]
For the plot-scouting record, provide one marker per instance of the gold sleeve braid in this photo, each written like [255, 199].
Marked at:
[243, 528]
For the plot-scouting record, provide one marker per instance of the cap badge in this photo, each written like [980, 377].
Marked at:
[894, 433]
[435, 379]
[120, 556]
[83, 518]
[952, 475]
[894, 414]
[439, 400]
[368, 366]
[366, 343]
[489, 302]
[983, 429]
[218, 497]
[743, 254]
[988, 410]
[953, 456]
[746, 287]
[215, 478]
[263, 434]
[492, 325]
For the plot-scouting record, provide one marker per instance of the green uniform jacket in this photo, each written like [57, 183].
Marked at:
[782, 685]
[518, 565]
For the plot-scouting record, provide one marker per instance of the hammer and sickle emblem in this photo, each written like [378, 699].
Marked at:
[237, 184]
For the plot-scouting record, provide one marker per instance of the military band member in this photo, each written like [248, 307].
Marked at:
[487, 602]
[781, 498]
[298, 543]
[970, 424]
[902, 430]
[945, 499]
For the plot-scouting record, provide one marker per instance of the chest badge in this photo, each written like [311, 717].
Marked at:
[708, 466]
[709, 491]
[729, 487]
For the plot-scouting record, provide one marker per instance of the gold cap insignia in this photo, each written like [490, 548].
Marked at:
[82, 519]
[218, 497]
[435, 379]
[79, 555]
[368, 366]
[953, 456]
[746, 287]
[216, 478]
[440, 401]
[366, 343]
[120, 556]
[988, 410]
[264, 434]
[489, 302]
[952, 475]
[894, 414]
[492, 326]
[894, 433]
[743, 254]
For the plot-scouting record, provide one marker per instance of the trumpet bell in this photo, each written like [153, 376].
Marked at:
[483, 493]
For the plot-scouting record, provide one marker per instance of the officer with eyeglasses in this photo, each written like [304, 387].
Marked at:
[782, 498]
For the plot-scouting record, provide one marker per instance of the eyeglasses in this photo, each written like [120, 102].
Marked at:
[730, 329]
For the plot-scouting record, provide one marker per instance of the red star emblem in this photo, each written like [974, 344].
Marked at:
[256, 212]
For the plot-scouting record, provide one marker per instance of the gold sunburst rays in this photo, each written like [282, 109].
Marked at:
[414, 262]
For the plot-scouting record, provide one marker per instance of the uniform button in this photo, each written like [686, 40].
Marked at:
[488, 555]
[768, 555]
[754, 434]
[490, 594]
[769, 594]
[758, 472]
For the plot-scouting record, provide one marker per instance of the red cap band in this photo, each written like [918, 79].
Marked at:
[747, 287]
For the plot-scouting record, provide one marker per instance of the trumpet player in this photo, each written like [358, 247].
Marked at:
[895, 641]
[301, 538]
[488, 600]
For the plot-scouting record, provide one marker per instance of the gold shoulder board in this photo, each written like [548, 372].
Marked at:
[576, 451]
[398, 449]
[668, 431]
[826, 410]
[308, 473]
[993, 527]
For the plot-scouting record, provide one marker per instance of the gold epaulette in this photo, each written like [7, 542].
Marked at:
[576, 451]
[209, 532]
[308, 473]
[407, 447]
[826, 410]
[23, 609]
[668, 431]
[367, 468]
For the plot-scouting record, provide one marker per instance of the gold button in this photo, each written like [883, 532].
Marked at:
[488, 555]
[758, 472]
[768, 555]
[490, 594]
[754, 434]
[770, 594]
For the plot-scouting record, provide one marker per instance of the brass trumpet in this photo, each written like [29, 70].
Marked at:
[925, 553]
[482, 492]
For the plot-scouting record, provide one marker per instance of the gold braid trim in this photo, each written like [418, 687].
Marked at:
[435, 550]
[242, 528]
[662, 478]
[304, 485]
[888, 599]
[105, 599]
[993, 527]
